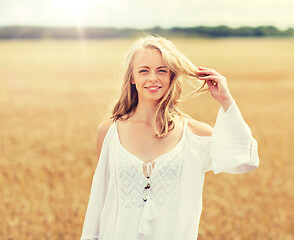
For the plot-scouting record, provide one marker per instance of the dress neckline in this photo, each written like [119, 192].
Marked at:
[180, 142]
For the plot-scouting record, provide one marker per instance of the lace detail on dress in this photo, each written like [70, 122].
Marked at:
[131, 182]
[164, 180]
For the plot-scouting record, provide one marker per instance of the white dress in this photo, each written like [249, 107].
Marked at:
[122, 207]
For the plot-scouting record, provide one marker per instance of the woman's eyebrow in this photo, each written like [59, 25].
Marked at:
[143, 67]
[162, 67]
[149, 67]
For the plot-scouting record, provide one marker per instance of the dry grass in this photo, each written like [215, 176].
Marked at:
[53, 94]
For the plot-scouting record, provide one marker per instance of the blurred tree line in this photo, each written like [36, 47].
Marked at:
[33, 32]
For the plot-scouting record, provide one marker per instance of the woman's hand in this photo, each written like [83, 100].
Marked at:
[217, 85]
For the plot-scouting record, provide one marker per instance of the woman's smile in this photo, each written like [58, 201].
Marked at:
[153, 89]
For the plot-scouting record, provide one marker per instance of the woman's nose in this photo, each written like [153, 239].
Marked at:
[152, 76]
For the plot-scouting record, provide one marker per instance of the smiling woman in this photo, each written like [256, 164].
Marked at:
[149, 179]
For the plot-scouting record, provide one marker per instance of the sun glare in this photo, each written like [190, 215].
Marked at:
[69, 5]
[74, 9]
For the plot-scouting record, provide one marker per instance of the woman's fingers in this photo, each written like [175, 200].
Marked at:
[210, 80]
[208, 71]
[209, 75]
[213, 78]
[209, 83]
[216, 83]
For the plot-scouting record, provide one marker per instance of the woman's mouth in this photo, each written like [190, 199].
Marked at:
[152, 89]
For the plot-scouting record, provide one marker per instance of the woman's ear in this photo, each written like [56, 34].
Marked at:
[132, 81]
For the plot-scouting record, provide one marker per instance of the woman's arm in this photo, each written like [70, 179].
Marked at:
[91, 227]
[232, 146]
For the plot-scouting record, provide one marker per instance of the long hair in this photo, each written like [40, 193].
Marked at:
[179, 66]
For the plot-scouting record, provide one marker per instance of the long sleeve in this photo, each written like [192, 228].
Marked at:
[91, 228]
[232, 148]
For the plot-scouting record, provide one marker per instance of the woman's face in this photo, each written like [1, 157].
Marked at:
[150, 70]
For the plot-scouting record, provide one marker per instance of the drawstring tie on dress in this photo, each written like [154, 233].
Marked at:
[150, 211]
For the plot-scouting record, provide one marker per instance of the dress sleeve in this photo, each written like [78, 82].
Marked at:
[91, 227]
[232, 149]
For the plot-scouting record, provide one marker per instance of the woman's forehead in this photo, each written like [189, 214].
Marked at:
[148, 57]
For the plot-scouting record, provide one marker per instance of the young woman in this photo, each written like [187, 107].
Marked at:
[153, 158]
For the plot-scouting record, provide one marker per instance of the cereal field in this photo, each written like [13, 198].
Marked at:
[53, 94]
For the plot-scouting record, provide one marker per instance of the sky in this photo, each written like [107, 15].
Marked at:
[147, 13]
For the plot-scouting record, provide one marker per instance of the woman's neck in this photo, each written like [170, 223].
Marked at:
[145, 112]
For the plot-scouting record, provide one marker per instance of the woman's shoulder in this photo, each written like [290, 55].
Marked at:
[199, 128]
[104, 126]
[102, 130]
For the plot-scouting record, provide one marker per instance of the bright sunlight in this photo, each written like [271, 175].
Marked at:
[74, 9]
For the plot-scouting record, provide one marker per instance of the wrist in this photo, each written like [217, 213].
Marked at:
[227, 102]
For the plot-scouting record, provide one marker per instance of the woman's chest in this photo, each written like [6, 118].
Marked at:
[142, 143]
[162, 186]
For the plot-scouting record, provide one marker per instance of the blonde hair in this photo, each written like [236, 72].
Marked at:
[179, 66]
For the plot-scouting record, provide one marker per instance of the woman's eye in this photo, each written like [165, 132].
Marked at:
[142, 71]
[163, 71]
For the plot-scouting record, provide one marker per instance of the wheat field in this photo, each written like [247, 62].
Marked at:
[53, 94]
